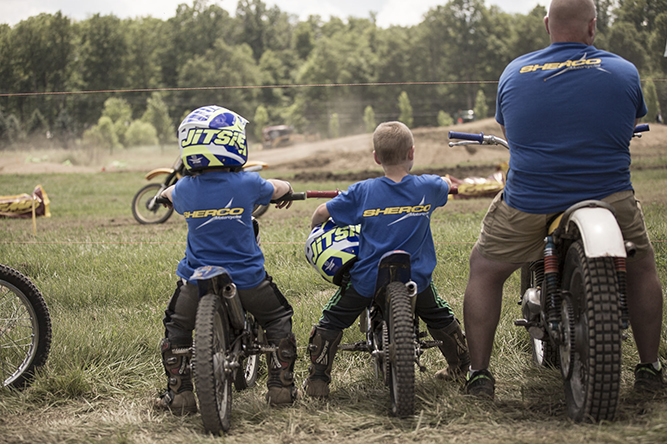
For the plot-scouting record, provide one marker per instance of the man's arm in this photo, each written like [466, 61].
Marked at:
[320, 215]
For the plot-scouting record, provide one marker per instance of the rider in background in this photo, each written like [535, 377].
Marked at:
[383, 231]
[568, 112]
[217, 199]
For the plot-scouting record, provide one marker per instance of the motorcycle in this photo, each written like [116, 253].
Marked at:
[144, 207]
[573, 300]
[25, 329]
[228, 340]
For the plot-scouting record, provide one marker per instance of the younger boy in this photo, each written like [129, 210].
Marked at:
[217, 200]
[381, 232]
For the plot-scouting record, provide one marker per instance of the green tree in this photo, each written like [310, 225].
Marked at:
[260, 121]
[481, 107]
[157, 114]
[444, 119]
[37, 123]
[651, 98]
[141, 133]
[102, 135]
[405, 109]
[369, 119]
[120, 114]
[334, 126]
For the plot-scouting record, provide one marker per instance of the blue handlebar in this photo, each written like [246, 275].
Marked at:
[641, 128]
[467, 136]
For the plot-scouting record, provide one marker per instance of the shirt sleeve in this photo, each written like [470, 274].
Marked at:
[265, 190]
[344, 209]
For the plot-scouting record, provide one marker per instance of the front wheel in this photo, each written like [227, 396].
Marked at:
[213, 379]
[592, 368]
[545, 353]
[25, 328]
[145, 210]
[401, 351]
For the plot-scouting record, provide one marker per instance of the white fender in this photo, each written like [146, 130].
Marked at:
[600, 232]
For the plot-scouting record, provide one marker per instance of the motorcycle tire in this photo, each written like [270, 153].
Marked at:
[246, 375]
[25, 329]
[401, 351]
[159, 214]
[592, 388]
[259, 210]
[212, 380]
[545, 353]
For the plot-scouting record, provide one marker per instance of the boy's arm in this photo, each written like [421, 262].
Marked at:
[167, 192]
[320, 215]
[280, 188]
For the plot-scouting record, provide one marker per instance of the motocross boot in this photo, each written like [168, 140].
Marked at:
[280, 381]
[178, 397]
[322, 347]
[455, 350]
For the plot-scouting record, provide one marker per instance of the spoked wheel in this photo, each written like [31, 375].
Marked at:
[401, 351]
[213, 379]
[592, 389]
[246, 375]
[545, 353]
[259, 210]
[25, 328]
[146, 211]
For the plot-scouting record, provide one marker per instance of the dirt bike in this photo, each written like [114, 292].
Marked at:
[25, 329]
[393, 337]
[574, 303]
[228, 340]
[144, 207]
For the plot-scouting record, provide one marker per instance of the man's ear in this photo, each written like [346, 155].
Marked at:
[375, 156]
[546, 23]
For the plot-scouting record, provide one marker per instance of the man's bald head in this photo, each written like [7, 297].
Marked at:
[571, 21]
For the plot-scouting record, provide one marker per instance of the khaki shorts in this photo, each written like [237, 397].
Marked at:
[512, 236]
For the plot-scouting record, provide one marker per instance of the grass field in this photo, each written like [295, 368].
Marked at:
[107, 280]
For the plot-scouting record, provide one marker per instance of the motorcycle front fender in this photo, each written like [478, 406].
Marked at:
[157, 172]
[600, 233]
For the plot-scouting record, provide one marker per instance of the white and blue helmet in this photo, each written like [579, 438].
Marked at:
[213, 136]
[332, 249]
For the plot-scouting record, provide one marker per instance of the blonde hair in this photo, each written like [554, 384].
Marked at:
[392, 142]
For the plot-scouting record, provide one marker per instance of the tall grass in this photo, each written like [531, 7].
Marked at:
[107, 280]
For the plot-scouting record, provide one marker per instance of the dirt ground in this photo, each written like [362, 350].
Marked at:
[343, 158]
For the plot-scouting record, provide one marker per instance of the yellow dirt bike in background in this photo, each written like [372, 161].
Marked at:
[146, 211]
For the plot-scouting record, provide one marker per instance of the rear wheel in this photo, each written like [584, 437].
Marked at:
[25, 328]
[145, 210]
[212, 370]
[246, 375]
[401, 351]
[593, 372]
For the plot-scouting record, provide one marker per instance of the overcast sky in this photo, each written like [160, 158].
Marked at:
[389, 12]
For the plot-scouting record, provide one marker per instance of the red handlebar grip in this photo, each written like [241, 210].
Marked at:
[322, 194]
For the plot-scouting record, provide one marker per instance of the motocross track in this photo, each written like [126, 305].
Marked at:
[345, 159]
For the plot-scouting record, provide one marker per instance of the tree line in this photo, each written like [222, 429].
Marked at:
[275, 69]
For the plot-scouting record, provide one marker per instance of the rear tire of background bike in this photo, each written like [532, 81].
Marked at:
[25, 325]
[246, 375]
[140, 210]
[213, 384]
[545, 354]
[401, 351]
[591, 392]
[259, 210]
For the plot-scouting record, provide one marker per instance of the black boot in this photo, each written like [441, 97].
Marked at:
[281, 372]
[178, 397]
[322, 348]
[455, 350]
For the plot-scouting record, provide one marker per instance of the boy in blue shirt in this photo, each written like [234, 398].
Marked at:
[380, 232]
[217, 200]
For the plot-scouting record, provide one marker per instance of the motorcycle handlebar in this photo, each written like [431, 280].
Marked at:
[467, 136]
[307, 195]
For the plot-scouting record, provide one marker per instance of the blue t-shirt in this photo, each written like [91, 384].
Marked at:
[218, 209]
[393, 216]
[569, 112]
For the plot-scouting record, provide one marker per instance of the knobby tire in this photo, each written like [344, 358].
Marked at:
[140, 210]
[25, 328]
[401, 351]
[592, 390]
[213, 384]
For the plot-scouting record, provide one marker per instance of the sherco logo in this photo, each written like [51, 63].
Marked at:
[213, 213]
[397, 210]
[558, 65]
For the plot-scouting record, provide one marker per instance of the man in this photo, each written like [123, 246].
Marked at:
[568, 112]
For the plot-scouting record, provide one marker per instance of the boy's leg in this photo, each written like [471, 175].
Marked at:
[274, 314]
[179, 322]
[444, 327]
[339, 313]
